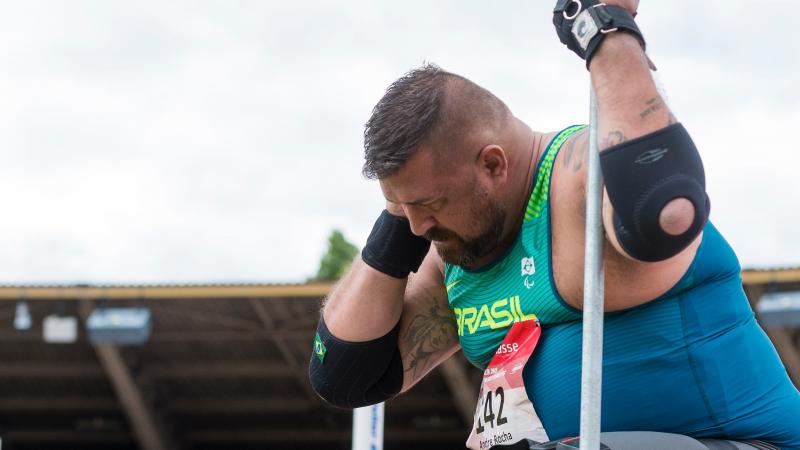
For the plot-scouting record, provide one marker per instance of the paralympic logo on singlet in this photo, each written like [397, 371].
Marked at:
[528, 269]
[500, 314]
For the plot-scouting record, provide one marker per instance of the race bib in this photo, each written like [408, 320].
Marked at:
[504, 414]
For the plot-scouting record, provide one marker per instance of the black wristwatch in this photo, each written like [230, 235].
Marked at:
[582, 24]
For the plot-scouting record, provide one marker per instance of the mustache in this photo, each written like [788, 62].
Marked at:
[440, 234]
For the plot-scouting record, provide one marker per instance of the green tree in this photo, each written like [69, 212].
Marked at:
[337, 258]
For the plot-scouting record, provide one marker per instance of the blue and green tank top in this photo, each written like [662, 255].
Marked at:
[517, 286]
[693, 361]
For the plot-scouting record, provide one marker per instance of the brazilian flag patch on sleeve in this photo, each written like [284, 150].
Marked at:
[319, 348]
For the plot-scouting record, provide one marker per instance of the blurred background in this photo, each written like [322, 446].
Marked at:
[198, 164]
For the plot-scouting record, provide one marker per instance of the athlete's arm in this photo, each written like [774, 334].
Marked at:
[428, 333]
[630, 110]
[387, 323]
[367, 304]
[629, 107]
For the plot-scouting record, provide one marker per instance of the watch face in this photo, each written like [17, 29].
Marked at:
[584, 28]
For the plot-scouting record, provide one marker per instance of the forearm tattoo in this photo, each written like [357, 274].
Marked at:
[613, 138]
[616, 137]
[426, 337]
[653, 105]
[656, 104]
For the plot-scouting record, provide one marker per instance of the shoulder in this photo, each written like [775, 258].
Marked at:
[567, 186]
[574, 151]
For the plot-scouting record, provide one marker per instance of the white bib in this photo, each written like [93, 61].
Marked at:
[504, 414]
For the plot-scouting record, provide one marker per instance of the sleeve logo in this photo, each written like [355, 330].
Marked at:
[319, 348]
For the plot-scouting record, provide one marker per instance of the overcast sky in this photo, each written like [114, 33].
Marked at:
[198, 141]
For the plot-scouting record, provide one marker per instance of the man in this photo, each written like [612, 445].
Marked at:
[504, 208]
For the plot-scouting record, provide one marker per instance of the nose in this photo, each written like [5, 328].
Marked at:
[421, 221]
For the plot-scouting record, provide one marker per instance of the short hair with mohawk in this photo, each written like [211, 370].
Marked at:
[402, 119]
[427, 103]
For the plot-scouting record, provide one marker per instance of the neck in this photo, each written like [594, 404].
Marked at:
[533, 145]
[529, 148]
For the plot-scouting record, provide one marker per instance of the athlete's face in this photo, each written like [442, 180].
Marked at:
[449, 206]
[486, 230]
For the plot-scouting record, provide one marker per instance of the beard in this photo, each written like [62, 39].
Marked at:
[488, 217]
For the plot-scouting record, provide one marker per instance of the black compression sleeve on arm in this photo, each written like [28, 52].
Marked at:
[392, 248]
[355, 374]
[643, 175]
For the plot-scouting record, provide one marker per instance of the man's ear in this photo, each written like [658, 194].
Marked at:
[492, 162]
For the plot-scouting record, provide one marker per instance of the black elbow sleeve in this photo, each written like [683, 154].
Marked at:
[643, 175]
[355, 374]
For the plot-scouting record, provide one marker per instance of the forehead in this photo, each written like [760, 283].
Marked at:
[425, 176]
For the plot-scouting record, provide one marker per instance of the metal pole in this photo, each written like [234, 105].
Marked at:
[368, 427]
[592, 365]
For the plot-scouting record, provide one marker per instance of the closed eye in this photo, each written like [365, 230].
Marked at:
[435, 205]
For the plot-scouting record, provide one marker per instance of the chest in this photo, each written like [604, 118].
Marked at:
[518, 287]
